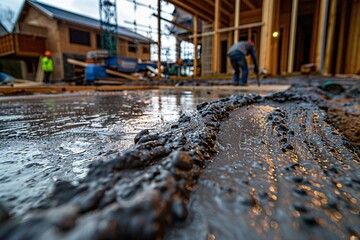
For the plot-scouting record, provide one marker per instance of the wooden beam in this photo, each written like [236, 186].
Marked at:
[315, 28]
[200, 5]
[216, 37]
[251, 16]
[275, 40]
[227, 3]
[341, 48]
[353, 56]
[320, 46]
[356, 62]
[266, 34]
[294, 14]
[249, 4]
[249, 33]
[330, 37]
[195, 27]
[228, 29]
[159, 38]
[112, 72]
[230, 43]
[203, 9]
[227, 10]
[189, 9]
[175, 23]
[236, 20]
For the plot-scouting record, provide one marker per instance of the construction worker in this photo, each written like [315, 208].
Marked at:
[237, 54]
[47, 66]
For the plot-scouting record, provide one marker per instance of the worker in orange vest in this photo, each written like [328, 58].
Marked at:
[47, 66]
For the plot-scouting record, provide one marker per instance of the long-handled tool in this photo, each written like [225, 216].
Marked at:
[258, 78]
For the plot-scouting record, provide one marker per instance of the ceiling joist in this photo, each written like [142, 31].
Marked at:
[205, 9]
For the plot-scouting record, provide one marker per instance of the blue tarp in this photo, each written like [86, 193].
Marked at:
[5, 78]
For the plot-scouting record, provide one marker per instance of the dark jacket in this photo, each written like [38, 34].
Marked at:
[245, 48]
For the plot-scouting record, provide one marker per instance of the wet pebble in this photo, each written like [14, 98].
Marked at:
[247, 200]
[297, 179]
[355, 180]
[300, 207]
[140, 135]
[287, 147]
[291, 132]
[310, 220]
[334, 170]
[300, 191]
[181, 160]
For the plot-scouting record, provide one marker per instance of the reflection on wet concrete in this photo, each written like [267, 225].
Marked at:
[45, 138]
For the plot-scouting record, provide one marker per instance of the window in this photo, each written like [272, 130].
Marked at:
[79, 37]
[132, 47]
[146, 49]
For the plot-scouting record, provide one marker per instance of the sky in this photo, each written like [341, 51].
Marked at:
[126, 12]
[9, 9]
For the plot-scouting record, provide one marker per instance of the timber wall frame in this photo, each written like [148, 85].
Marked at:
[333, 44]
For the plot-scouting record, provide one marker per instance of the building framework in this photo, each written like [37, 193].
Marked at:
[287, 34]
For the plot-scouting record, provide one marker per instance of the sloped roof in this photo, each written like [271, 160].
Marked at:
[61, 14]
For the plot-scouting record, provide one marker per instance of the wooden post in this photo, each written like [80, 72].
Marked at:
[266, 34]
[352, 65]
[237, 20]
[330, 37]
[230, 43]
[216, 38]
[340, 53]
[159, 39]
[275, 39]
[195, 41]
[294, 14]
[315, 29]
[321, 35]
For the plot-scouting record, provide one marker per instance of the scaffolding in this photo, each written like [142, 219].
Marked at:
[109, 26]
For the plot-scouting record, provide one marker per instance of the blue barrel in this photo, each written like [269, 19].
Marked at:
[90, 72]
[93, 72]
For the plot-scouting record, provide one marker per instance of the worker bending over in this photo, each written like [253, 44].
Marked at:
[237, 54]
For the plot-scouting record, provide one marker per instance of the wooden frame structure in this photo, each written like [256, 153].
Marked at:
[287, 34]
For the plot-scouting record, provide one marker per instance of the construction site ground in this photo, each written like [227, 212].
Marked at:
[182, 160]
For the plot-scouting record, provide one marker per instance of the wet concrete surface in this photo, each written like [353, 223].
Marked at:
[46, 138]
[281, 172]
[245, 167]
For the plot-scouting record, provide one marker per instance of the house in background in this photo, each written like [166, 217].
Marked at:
[41, 27]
